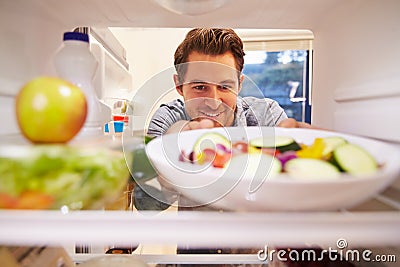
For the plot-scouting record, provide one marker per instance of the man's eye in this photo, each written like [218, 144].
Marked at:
[199, 87]
[225, 87]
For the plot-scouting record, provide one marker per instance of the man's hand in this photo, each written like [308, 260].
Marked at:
[207, 124]
[191, 125]
[292, 123]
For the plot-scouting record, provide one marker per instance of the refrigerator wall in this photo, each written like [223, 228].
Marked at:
[356, 85]
[32, 36]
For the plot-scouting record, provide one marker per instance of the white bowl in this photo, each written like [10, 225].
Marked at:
[236, 188]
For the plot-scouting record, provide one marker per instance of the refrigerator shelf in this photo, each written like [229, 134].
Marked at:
[168, 259]
[199, 229]
[373, 225]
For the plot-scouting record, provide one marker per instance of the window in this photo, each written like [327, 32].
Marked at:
[278, 65]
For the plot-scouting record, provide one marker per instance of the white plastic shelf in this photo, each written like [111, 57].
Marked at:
[200, 228]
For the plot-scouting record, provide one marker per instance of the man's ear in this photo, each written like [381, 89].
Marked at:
[241, 79]
[178, 85]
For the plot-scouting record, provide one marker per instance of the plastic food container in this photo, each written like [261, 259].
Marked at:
[86, 174]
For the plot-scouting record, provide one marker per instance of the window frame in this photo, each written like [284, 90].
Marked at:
[278, 40]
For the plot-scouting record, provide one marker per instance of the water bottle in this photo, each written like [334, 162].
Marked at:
[75, 63]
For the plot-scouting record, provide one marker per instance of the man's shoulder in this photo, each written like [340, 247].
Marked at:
[260, 111]
[166, 115]
[252, 101]
[174, 109]
[177, 103]
[174, 106]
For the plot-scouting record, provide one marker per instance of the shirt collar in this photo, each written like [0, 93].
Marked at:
[240, 116]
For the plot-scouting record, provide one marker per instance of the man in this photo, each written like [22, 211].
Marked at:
[209, 64]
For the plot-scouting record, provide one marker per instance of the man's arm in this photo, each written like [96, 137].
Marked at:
[190, 125]
[292, 123]
[165, 117]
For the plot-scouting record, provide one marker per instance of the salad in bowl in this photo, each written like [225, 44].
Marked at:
[274, 169]
[69, 176]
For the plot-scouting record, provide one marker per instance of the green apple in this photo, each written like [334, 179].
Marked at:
[50, 110]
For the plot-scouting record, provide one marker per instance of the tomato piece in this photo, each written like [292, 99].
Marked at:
[209, 154]
[270, 151]
[220, 159]
[241, 146]
[7, 201]
[34, 200]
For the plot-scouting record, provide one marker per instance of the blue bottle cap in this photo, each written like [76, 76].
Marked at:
[77, 36]
[118, 127]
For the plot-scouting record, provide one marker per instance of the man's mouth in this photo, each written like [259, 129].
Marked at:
[211, 115]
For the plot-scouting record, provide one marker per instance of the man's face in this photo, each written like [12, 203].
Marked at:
[210, 87]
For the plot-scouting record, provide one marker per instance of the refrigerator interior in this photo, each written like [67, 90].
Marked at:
[355, 89]
[354, 48]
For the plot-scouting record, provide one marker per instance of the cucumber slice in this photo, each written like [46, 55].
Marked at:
[210, 140]
[354, 159]
[281, 143]
[331, 143]
[256, 165]
[311, 168]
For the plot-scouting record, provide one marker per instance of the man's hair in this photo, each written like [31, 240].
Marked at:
[209, 41]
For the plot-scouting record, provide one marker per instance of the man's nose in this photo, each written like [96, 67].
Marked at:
[213, 99]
